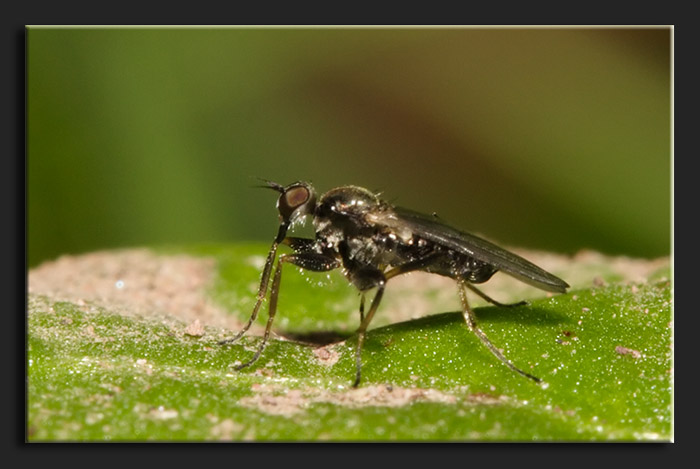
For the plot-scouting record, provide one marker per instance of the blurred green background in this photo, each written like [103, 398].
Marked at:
[556, 138]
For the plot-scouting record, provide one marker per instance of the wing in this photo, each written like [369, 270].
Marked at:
[430, 228]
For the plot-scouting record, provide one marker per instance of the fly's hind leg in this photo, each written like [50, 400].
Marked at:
[470, 318]
[491, 300]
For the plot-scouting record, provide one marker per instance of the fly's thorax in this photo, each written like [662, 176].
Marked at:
[365, 250]
[349, 203]
[328, 236]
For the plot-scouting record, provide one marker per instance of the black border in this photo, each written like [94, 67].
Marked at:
[13, 171]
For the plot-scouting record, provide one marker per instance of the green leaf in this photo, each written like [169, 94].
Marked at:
[126, 361]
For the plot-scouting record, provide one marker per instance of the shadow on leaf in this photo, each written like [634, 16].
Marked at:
[526, 314]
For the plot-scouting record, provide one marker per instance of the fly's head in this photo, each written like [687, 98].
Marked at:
[295, 202]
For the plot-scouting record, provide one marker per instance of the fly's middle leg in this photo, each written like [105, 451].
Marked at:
[363, 329]
[379, 280]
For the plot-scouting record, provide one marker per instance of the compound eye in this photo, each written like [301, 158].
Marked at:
[296, 197]
[292, 199]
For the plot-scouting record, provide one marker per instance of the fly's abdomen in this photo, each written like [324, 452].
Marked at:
[459, 266]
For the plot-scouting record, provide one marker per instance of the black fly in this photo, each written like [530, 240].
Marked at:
[373, 242]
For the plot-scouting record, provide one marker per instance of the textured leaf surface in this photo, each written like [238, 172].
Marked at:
[106, 367]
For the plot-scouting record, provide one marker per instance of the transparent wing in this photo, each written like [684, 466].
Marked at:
[430, 228]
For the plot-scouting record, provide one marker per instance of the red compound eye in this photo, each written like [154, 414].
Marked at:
[296, 197]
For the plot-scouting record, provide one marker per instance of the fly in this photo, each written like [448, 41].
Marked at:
[373, 242]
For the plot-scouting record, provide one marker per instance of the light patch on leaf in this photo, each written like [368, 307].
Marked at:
[273, 400]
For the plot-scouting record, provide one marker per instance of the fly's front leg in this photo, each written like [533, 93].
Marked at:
[470, 318]
[300, 244]
[262, 291]
[306, 260]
